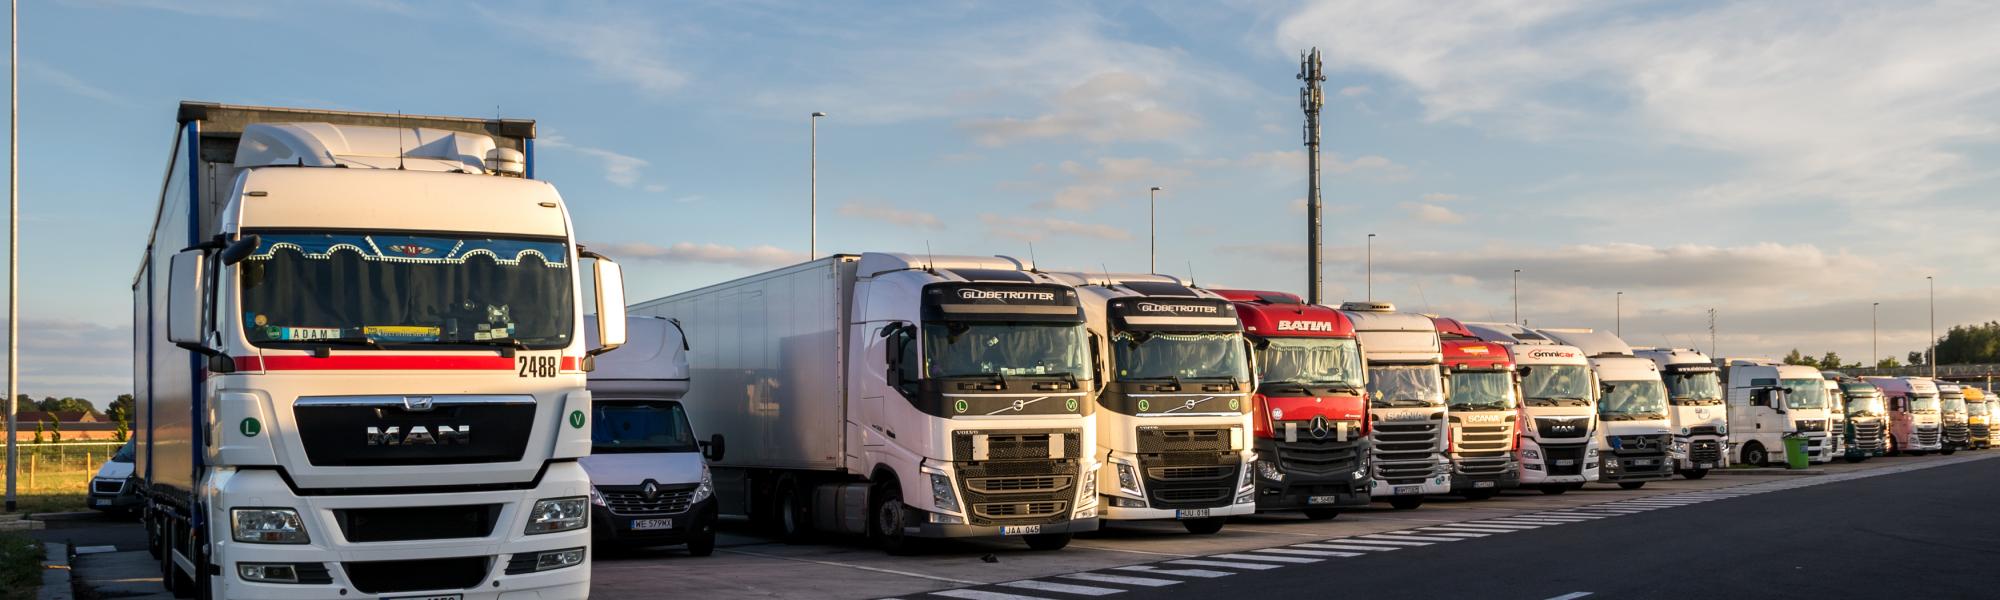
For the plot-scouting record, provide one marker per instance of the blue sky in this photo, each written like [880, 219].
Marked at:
[1786, 163]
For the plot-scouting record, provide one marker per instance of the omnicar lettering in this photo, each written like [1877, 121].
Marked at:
[1551, 354]
[1305, 326]
[420, 436]
[972, 294]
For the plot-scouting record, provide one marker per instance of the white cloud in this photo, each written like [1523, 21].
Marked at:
[619, 169]
[1034, 229]
[1087, 187]
[1108, 107]
[689, 252]
[878, 211]
[1432, 213]
[623, 47]
[1355, 91]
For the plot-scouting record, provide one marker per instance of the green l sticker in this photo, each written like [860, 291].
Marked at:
[576, 419]
[250, 427]
[960, 405]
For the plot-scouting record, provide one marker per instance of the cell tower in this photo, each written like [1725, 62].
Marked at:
[1311, 98]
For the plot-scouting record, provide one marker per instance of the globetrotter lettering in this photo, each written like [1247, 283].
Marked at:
[972, 294]
[1176, 308]
[1305, 326]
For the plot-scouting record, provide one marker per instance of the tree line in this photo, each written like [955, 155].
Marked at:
[119, 413]
[1963, 344]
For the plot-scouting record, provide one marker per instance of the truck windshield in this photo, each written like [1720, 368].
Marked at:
[1804, 393]
[1924, 403]
[1159, 356]
[1954, 404]
[1555, 385]
[315, 289]
[1694, 388]
[624, 426]
[1311, 361]
[965, 349]
[1404, 385]
[1482, 390]
[1977, 409]
[1863, 405]
[1633, 400]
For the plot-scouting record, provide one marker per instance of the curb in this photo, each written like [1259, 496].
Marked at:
[55, 573]
[18, 522]
[65, 516]
[1767, 472]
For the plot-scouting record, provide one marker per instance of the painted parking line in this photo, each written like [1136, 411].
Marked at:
[1354, 547]
[1456, 534]
[1061, 588]
[1398, 535]
[1202, 573]
[983, 595]
[1269, 558]
[1384, 539]
[1121, 579]
[1467, 528]
[1297, 552]
[1196, 562]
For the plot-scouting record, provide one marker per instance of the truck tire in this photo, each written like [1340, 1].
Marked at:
[1631, 485]
[1406, 502]
[1322, 514]
[1693, 474]
[885, 519]
[702, 541]
[794, 522]
[169, 573]
[1755, 455]
[1894, 448]
[1048, 541]
[1555, 489]
[1207, 526]
[1948, 450]
[1855, 458]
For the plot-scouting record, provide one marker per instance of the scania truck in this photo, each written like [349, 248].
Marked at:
[1482, 401]
[1768, 401]
[1695, 411]
[1173, 415]
[1558, 408]
[899, 396]
[1979, 407]
[1632, 433]
[1954, 416]
[359, 366]
[1309, 416]
[1913, 414]
[1407, 427]
[1866, 434]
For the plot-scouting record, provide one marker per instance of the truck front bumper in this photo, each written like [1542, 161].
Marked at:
[1122, 513]
[1462, 483]
[1619, 468]
[926, 529]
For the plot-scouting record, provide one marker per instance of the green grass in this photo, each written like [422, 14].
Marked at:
[20, 566]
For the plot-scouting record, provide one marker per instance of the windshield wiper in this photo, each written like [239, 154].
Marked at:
[1175, 379]
[323, 347]
[507, 346]
[1399, 402]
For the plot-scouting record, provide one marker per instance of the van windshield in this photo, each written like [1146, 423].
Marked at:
[126, 452]
[625, 426]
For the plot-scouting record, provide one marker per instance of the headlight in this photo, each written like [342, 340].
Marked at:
[706, 489]
[596, 498]
[558, 514]
[1531, 453]
[1089, 493]
[1128, 479]
[1245, 482]
[268, 572]
[942, 496]
[1269, 470]
[267, 526]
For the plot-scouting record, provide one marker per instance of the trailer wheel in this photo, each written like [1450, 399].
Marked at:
[1555, 489]
[1322, 514]
[1048, 541]
[794, 523]
[153, 534]
[1693, 474]
[1754, 455]
[1406, 502]
[885, 519]
[1631, 485]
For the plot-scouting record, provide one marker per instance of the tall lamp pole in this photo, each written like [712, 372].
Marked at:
[1874, 335]
[13, 240]
[1932, 359]
[1152, 241]
[1619, 325]
[1517, 296]
[812, 201]
[1371, 267]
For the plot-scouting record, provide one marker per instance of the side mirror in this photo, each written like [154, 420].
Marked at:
[713, 449]
[241, 249]
[185, 278]
[610, 306]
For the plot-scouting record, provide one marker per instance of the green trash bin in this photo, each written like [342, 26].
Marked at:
[1795, 452]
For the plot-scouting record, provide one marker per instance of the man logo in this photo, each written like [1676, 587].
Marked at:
[1319, 427]
[420, 435]
[1322, 326]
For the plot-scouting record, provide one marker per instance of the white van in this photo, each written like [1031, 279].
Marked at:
[649, 485]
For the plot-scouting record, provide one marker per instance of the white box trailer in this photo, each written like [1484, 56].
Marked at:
[896, 395]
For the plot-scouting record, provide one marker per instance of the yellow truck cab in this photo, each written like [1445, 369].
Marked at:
[1979, 406]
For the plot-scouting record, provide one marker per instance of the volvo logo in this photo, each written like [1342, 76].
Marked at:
[1017, 405]
[1319, 427]
[447, 435]
[650, 489]
[417, 403]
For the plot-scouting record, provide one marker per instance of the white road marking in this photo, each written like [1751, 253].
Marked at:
[1514, 526]
[1061, 588]
[95, 549]
[1570, 596]
[1227, 565]
[1472, 528]
[1282, 559]
[1120, 579]
[979, 595]
[1397, 535]
[1202, 573]
[1524, 522]
[1092, 547]
[857, 567]
[1305, 552]
[1384, 539]
[1348, 547]
[1456, 534]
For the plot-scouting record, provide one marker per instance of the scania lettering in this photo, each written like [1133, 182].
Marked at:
[902, 397]
[1483, 403]
[1867, 432]
[1174, 416]
[1913, 414]
[1768, 401]
[1695, 411]
[1558, 408]
[1309, 417]
[1407, 433]
[332, 321]
[648, 483]
[1632, 434]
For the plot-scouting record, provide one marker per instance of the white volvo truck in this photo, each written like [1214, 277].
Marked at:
[1558, 408]
[1632, 434]
[1695, 409]
[904, 397]
[1406, 402]
[359, 365]
[1769, 400]
[1173, 419]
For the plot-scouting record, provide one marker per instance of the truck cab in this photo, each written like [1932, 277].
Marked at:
[1955, 417]
[1836, 418]
[1769, 401]
[1408, 432]
[1979, 409]
[1309, 416]
[1173, 418]
[1558, 408]
[1695, 410]
[1483, 401]
[1866, 433]
[1913, 414]
[1632, 436]
[648, 483]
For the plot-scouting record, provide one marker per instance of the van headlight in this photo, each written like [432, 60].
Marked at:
[267, 526]
[703, 491]
[551, 515]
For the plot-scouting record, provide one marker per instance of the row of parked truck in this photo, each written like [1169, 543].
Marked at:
[364, 368]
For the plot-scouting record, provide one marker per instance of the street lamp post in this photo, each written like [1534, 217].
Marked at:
[1874, 335]
[1371, 267]
[1932, 359]
[812, 200]
[1152, 241]
[1517, 295]
[1619, 324]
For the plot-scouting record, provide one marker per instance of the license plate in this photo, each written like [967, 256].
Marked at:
[1482, 484]
[437, 597]
[1191, 513]
[1020, 529]
[1646, 462]
[646, 524]
[101, 502]
[1564, 462]
[1322, 499]
[1407, 490]
[1705, 466]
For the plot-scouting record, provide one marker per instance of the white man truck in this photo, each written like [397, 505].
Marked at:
[905, 397]
[1695, 411]
[359, 365]
[1558, 408]
[1406, 412]
[1173, 419]
[1768, 401]
[1632, 433]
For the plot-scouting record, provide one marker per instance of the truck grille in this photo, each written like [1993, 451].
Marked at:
[400, 524]
[1981, 431]
[1160, 440]
[1868, 435]
[1318, 459]
[1191, 479]
[1554, 455]
[335, 431]
[391, 576]
[1957, 433]
[1703, 430]
[1705, 451]
[107, 486]
[1016, 445]
[1562, 427]
[1017, 485]
[1017, 481]
[1484, 450]
[1633, 449]
[1405, 452]
[631, 500]
[1926, 436]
